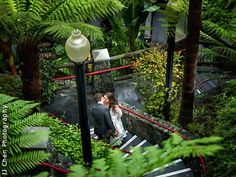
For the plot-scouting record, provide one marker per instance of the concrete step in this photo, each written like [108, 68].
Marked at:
[180, 173]
[138, 145]
[174, 166]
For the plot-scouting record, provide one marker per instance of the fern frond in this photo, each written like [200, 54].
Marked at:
[217, 32]
[83, 10]
[26, 140]
[32, 120]
[117, 167]
[20, 104]
[206, 39]
[4, 99]
[21, 111]
[225, 52]
[8, 6]
[207, 54]
[63, 29]
[25, 161]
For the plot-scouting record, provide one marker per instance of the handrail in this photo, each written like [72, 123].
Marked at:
[112, 58]
[55, 168]
[202, 161]
[95, 72]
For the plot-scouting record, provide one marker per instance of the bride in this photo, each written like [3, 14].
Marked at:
[116, 114]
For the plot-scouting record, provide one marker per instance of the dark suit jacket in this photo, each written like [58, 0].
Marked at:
[102, 121]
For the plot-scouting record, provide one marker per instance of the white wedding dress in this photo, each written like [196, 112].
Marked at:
[116, 115]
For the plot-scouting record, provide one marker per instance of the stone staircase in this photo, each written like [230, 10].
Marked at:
[174, 169]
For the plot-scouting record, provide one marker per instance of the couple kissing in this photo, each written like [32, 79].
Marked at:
[107, 119]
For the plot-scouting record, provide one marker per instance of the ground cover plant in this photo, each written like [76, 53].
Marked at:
[66, 139]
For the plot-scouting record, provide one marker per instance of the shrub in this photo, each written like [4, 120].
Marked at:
[151, 82]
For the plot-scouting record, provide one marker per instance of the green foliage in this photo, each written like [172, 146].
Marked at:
[151, 83]
[60, 17]
[10, 85]
[230, 88]
[66, 139]
[48, 87]
[220, 12]
[217, 117]
[226, 127]
[127, 27]
[31, 21]
[153, 157]
[219, 42]
[19, 117]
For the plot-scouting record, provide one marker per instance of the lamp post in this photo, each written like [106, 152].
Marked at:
[77, 48]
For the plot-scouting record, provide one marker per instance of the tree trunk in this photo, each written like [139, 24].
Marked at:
[192, 42]
[28, 53]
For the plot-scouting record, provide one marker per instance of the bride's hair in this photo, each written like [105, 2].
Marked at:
[112, 101]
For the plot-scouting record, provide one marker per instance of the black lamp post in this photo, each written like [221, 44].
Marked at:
[78, 49]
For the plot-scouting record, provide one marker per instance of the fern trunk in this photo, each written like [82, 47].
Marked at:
[28, 53]
[188, 87]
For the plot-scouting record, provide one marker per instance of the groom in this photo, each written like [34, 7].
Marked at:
[102, 119]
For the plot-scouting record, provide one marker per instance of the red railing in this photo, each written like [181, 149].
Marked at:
[95, 72]
[55, 168]
[167, 128]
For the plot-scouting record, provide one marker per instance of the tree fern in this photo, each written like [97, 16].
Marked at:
[19, 117]
[153, 157]
[26, 26]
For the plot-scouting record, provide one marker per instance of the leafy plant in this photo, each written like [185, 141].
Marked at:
[151, 83]
[219, 42]
[18, 115]
[226, 127]
[127, 27]
[216, 13]
[153, 157]
[27, 22]
[48, 87]
[66, 139]
[216, 117]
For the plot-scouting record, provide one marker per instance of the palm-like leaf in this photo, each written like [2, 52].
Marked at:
[219, 42]
[19, 118]
[63, 29]
[19, 19]
[25, 161]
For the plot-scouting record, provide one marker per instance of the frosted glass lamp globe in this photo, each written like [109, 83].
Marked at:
[77, 47]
